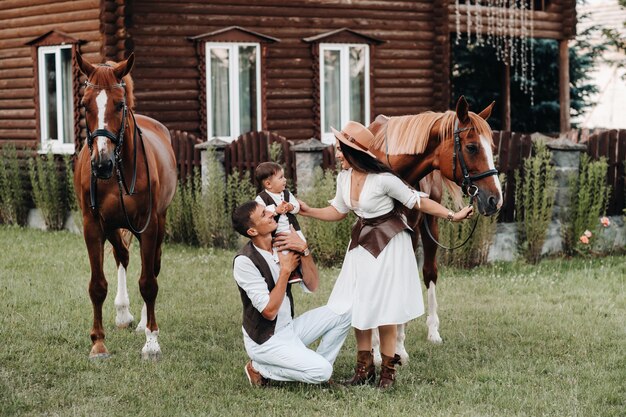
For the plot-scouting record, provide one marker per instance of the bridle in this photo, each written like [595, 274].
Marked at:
[118, 141]
[467, 185]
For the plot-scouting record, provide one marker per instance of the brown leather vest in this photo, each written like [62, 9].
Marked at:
[374, 234]
[268, 200]
[258, 327]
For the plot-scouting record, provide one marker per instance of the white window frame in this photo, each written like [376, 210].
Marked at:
[233, 80]
[344, 60]
[57, 146]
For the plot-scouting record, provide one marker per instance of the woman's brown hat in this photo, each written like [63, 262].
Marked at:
[356, 136]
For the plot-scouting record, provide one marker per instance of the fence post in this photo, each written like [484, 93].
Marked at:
[566, 160]
[308, 155]
[218, 147]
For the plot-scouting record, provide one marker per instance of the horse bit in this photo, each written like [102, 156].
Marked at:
[118, 140]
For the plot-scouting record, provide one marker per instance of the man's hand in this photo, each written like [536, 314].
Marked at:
[289, 241]
[288, 261]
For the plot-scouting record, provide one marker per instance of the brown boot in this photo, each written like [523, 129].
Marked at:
[388, 371]
[364, 372]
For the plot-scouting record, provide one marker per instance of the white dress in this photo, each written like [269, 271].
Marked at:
[387, 289]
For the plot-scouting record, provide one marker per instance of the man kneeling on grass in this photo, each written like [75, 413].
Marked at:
[275, 341]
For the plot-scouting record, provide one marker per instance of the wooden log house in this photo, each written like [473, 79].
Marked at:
[219, 68]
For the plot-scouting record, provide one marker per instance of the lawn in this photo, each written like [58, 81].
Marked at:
[519, 340]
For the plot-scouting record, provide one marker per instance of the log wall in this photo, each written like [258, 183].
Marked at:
[409, 73]
[20, 22]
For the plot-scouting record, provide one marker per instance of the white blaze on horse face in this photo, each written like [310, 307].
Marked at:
[487, 148]
[101, 102]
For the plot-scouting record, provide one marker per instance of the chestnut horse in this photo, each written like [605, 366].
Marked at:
[121, 146]
[423, 148]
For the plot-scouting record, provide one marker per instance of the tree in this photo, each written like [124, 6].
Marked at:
[477, 74]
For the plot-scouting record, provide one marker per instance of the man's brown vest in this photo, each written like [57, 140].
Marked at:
[268, 200]
[258, 327]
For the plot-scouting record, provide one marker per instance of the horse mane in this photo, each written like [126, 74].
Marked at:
[409, 134]
[104, 76]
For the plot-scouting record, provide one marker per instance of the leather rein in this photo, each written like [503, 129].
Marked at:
[467, 185]
[118, 140]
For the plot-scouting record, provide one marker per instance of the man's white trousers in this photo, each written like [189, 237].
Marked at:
[285, 356]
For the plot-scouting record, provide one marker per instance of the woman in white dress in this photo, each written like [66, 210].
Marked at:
[379, 279]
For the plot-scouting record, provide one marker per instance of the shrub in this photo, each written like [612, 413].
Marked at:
[72, 202]
[200, 212]
[328, 240]
[476, 251]
[12, 196]
[180, 224]
[50, 190]
[534, 199]
[589, 199]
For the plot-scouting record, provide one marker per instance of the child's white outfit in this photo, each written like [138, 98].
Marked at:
[271, 201]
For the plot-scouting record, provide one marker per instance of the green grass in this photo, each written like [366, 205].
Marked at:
[519, 340]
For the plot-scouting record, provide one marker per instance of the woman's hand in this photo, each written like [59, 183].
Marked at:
[304, 208]
[464, 213]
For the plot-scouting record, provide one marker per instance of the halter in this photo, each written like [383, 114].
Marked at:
[118, 140]
[469, 188]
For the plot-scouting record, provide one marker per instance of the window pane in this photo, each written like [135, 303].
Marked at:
[332, 90]
[220, 111]
[248, 111]
[357, 83]
[67, 95]
[50, 95]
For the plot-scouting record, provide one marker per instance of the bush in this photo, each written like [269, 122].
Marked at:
[534, 199]
[476, 251]
[12, 196]
[200, 212]
[72, 202]
[328, 240]
[50, 190]
[180, 224]
[589, 199]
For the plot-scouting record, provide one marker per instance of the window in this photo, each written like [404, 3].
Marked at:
[56, 98]
[233, 86]
[344, 86]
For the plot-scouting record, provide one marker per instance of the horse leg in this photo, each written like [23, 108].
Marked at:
[123, 317]
[94, 239]
[376, 347]
[149, 289]
[430, 278]
[141, 327]
[400, 349]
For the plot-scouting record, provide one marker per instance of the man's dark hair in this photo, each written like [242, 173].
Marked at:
[241, 217]
[265, 170]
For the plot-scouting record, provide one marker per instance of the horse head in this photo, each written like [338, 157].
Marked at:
[106, 100]
[467, 159]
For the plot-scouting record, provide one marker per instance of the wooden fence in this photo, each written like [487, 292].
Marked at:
[187, 157]
[252, 148]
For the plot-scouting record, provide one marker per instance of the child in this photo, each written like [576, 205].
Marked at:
[276, 198]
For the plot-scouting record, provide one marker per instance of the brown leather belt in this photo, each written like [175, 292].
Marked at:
[374, 234]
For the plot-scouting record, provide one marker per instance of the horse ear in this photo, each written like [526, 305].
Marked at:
[84, 65]
[487, 112]
[124, 67]
[462, 109]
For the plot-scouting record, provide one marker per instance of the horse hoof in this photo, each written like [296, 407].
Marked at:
[151, 356]
[435, 339]
[141, 328]
[124, 323]
[98, 356]
[99, 351]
